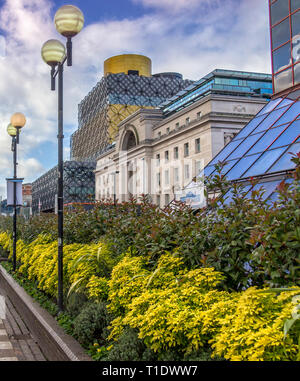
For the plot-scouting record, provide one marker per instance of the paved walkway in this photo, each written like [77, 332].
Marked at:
[16, 342]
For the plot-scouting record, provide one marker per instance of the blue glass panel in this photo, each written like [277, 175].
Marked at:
[281, 33]
[273, 198]
[241, 167]
[295, 4]
[288, 136]
[267, 139]
[228, 166]
[250, 126]
[279, 10]
[282, 57]
[269, 121]
[228, 196]
[270, 106]
[264, 162]
[295, 35]
[285, 102]
[268, 188]
[290, 115]
[225, 151]
[245, 146]
[209, 169]
[275, 195]
[285, 163]
[283, 80]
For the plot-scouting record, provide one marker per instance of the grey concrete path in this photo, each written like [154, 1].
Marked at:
[16, 342]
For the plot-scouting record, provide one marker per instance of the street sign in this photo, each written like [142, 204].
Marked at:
[10, 192]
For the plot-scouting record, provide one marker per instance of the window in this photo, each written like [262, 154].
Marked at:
[279, 10]
[186, 149]
[158, 179]
[176, 175]
[167, 199]
[186, 171]
[285, 42]
[177, 125]
[197, 145]
[281, 33]
[158, 200]
[176, 153]
[166, 156]
[295, 4]
[159, 134]
[167, 177]
[198, 167]
[158, 159]
[133, 72]
[168, 130]
[282, 57]
[187, 121]
[228, 136]
[199, 114]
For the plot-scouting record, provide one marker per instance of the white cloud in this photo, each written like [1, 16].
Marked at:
[28, 168]
[231, 36]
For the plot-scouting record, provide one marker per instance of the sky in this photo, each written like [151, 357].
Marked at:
[192, 37]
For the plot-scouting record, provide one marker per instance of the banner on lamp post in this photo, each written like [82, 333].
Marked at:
[10, 192]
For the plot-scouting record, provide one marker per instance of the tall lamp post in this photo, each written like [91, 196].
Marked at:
[17, 122]
[69, 21]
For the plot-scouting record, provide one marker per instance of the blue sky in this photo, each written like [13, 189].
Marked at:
[192, 37]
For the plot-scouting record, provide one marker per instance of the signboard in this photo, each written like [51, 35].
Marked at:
[10, 192]
[193, 195]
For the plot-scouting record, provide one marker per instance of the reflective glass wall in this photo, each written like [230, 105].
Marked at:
[285, 43]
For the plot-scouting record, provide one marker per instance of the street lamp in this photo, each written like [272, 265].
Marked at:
[69, 21]
[17, 122]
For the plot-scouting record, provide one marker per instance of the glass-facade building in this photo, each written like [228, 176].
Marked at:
[263, 149]
[79, 186]
[285, 43]
[220, 82]
[265, 146]
[112, 100]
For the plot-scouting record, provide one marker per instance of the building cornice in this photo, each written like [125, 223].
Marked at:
[209, 97]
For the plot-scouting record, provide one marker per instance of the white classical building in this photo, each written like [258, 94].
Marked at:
[159, 151]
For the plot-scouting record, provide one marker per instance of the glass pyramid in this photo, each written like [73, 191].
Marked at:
[264, 147]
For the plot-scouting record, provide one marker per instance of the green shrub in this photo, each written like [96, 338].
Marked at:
[129, 348]
[91, 324]
[75, 303]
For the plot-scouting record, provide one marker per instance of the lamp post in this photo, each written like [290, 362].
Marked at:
[69, 21]
[17, 122]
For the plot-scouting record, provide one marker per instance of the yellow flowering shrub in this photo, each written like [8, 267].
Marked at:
[127, 281]
[97, 288]
[87, 263]
[173, 307]
[254, 331]
[5, 241]
[170, 305]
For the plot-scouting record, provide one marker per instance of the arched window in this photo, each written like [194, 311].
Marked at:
[129, 141]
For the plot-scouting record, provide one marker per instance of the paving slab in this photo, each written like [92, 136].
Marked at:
[16, 341]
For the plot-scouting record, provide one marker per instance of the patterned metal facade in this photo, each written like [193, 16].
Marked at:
[79, 186]
[112, 100]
